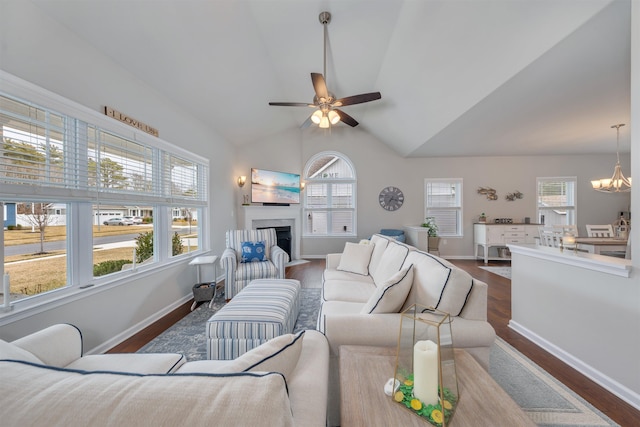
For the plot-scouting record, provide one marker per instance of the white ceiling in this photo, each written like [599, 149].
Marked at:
[457, 77]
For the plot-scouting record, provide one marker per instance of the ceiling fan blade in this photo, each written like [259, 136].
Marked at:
[319, 85]
[306, 123]
[357, 99]
[291, 104]
[345, 118]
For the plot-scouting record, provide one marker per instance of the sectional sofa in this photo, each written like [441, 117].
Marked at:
[45, 380]
[366, 287]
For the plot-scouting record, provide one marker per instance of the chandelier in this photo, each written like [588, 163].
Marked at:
[617, 183]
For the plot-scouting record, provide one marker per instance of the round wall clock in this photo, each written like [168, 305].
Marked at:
[391, 198]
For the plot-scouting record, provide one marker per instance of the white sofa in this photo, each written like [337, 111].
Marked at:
[367, 286]
[45, 380]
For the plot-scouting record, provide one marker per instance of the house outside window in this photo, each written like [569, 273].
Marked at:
[556, 200]
[443, 202]
[329, 196]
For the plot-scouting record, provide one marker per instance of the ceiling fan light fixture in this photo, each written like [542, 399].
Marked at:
[316, 117]
[324, 122]
[334, 117]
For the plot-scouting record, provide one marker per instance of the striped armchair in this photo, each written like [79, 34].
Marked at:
[239, 274]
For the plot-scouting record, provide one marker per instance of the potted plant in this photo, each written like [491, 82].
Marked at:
[432, 232]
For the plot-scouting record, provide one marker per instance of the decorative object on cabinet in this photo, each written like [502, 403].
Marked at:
[617, 183]
[391, 198]
[513, 196]
[482, 218]
[489, 192]
[245, 200]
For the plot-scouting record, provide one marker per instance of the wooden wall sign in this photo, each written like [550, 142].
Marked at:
[130, 121]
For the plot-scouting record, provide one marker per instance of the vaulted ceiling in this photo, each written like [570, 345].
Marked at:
[457, 77]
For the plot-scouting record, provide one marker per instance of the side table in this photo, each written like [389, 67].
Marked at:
[198, 262]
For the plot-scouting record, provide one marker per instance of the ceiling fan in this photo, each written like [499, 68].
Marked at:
[325, 102]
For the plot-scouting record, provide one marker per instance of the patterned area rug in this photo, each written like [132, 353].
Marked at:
[500, 271]
[187, 336]
[547, 401]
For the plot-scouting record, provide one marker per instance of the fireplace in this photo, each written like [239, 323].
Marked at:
[283, 235]
[255, 217]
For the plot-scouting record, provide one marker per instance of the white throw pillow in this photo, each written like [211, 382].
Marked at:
[355, 258]
[279, 354]
[390, 297]
[11, 351]
[391, 262]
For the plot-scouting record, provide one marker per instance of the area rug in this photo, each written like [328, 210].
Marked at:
[187, 336]
[547, 401]
[500, 271]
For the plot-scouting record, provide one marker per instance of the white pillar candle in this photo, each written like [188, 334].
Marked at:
[425, 372]
[6, 290]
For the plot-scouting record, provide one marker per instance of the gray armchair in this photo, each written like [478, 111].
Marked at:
[238, 271]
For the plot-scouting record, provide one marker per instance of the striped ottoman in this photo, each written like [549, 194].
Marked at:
[264, 309]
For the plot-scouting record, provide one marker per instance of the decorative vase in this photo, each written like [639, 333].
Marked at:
[434, 243]
[425, 365]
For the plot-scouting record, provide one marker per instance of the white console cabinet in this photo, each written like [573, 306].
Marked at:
[486, 236]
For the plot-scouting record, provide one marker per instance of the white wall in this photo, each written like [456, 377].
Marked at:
[587, 318]
[377, 166]
[37, 49]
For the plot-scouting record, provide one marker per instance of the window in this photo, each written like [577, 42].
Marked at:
[83, 197]
[443, 201]
[329, 196]
[557, 200]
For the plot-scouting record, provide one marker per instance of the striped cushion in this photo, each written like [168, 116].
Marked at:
[265, 309]
[255, 270]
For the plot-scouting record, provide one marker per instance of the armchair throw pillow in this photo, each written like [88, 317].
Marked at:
[253, 252]
[355, 258]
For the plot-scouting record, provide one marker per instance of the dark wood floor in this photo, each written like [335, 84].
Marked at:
[498, 313]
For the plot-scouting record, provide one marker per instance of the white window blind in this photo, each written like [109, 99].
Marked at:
[557, 200]
[329, 196]
[443, 201]
[44, 149]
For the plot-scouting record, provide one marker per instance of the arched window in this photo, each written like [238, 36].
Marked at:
[329, 196]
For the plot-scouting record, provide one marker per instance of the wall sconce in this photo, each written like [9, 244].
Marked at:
[302, 184]
[241, 181]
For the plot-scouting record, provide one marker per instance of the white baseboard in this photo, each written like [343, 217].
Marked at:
[128, 333]
[623, 392]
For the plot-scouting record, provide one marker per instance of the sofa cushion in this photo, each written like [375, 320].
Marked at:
[380, 243]
[13, 352]
[253, 252]
[41, 395]
[391, 295]
[348, 290]
[355, 258]
[438, 283]
[139, 363]
[390, 263]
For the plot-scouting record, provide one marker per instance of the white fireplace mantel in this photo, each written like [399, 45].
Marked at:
[254, 216]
